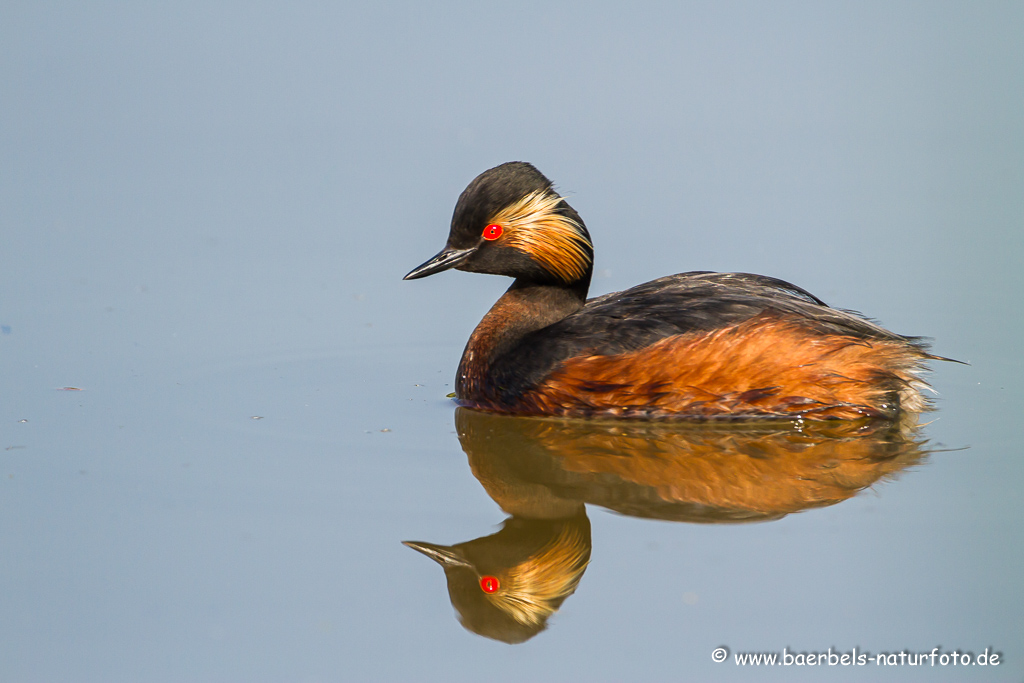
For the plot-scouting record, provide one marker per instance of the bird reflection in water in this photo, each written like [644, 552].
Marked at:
[543, 471]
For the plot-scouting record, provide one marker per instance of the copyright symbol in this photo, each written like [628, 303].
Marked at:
[719, 654]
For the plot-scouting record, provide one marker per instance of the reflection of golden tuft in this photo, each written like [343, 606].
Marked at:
[533, 590]
[534, 226]
[708, 472]
[535, 563]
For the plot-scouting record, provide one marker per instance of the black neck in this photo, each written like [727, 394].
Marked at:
[524, 308]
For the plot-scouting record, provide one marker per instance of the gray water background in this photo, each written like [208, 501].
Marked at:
[205, 214]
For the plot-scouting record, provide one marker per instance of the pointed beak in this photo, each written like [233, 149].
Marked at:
[448, 258]
[442, 554]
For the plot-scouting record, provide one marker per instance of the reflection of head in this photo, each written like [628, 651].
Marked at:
[693, 472]
[506, 585]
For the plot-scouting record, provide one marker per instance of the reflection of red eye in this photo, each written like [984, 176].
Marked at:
[492, 231]
[489, 584]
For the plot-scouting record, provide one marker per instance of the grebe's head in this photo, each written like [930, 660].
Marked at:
[507, 585]
[510, 221]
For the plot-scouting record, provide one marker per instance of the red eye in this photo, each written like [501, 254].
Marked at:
[489, 584]
[492, 231]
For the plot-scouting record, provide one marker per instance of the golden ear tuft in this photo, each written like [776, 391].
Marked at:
[557, 242]
[534, 589]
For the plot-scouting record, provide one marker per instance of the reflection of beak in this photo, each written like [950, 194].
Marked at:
[442, 554]
[448, 258]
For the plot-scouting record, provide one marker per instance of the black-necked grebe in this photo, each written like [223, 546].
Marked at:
[693, 345]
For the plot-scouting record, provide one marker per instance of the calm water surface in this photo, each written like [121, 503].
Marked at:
[222, 412]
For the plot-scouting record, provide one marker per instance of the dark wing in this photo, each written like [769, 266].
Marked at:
[678, 304]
